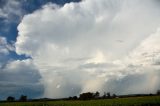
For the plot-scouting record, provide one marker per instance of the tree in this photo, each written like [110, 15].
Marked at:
[23, 98]
[108, 95]
[86, 96]
[75, 97]
[10, 99]
[96, 95]
[158, 92]
[104, 95]
[114, 95]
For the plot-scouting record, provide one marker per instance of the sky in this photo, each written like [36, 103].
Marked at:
[61, 48]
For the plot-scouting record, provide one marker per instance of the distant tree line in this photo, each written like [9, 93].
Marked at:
[91, 95]
[22, 98]
[84, 96]
[96, 95]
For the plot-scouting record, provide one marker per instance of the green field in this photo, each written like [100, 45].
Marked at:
[131, 101]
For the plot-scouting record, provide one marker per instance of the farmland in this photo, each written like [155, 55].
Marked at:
[130, 101]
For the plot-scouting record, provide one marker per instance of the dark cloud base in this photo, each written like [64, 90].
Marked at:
[32, 91]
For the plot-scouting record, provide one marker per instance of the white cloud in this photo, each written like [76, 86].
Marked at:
[5, 47]
[77, 46]
[10, 10]
[148, 53]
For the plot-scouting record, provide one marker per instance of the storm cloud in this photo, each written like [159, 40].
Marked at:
[94, 45]
[20, 77]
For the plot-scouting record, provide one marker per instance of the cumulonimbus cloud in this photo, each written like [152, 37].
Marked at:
[93, 45]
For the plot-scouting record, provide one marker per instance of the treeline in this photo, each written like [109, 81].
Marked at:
[83, 96]
[91, 95]
[96, 95]
[23, 98]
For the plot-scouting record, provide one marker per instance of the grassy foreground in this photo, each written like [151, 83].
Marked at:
[131, 101]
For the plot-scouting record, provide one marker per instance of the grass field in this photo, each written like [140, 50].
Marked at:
[131, 101]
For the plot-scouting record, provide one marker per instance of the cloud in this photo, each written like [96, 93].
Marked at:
[20, 77]
[75, 47]
[16, 90]
[5, 47]
[149, 51]
[14, 10]
[10, 10]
